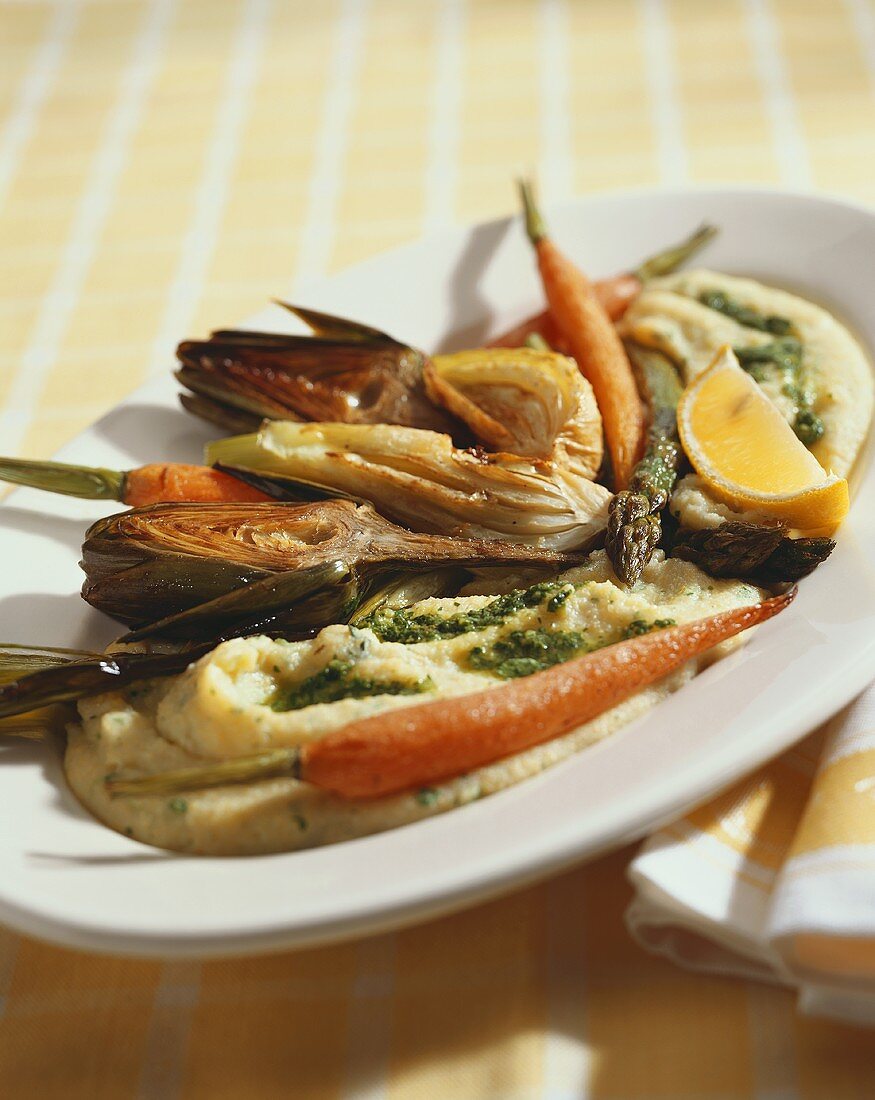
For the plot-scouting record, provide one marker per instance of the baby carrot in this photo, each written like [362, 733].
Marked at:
[616, 293]
[423, 744]
[167, 482]
[157, 483]
[594, 343]
[416, 746]
[541, 324]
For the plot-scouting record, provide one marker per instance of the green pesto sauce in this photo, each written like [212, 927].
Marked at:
[781, 358]
[335, 682]
[399, 625]
[523, 652]
[750, 318]
[638, 627]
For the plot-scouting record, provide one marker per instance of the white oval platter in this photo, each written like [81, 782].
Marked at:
[67, 878]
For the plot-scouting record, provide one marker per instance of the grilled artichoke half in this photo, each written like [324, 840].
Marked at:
[345, 372]
[193, 571]
[419, 479]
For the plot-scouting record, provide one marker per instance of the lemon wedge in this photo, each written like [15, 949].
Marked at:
[748, 454]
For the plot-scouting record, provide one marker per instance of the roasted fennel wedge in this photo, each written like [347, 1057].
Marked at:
[419, 479]
[525, 401]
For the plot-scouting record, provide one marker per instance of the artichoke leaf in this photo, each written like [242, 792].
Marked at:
[283, 487]
[65, 683]
[295, 604]
[150, 564]
[18, 660]
[346, 372]
[223, 416]
[407, 589]
[328, 325]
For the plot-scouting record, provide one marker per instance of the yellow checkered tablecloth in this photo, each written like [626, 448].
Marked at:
[166, 166]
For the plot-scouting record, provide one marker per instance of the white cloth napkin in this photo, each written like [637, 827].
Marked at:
[775, 878]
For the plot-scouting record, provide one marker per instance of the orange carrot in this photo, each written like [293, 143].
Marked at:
[594, 343]
[541, 324]
[158, 483]
[616, 293]
[166, 482]
[431, 742]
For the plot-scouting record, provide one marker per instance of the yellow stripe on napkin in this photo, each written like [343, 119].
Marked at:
[842, 805]
[758, 817]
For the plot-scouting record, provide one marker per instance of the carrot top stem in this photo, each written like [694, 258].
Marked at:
[669, 260]
[88, 482]
[535, 227]
[273, 764]
[536, 342]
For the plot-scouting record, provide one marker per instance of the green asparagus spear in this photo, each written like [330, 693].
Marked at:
[634, 526]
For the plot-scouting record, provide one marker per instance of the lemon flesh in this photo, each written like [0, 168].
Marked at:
[749, 455]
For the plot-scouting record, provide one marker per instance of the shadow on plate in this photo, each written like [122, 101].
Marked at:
[66, 859]
[54, 620]
[155, 433]
[48, 753]
[472, 317]
[69, 533]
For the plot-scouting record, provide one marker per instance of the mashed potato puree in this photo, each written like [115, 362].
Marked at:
[241, 698]
[670, 316]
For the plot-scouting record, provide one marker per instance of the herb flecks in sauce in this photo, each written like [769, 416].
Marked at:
[785, 353]
[336, 681]
[750, 318]
[783, 356]
[638, 627]
[808, 426]
[524, 652]
[401, 626]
